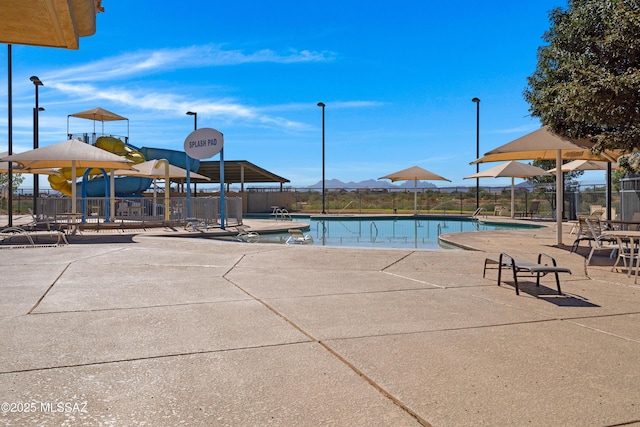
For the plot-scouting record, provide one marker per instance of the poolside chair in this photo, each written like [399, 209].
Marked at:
[596, 210]
[628, 253]
[600, 242]
[534, 208]
[246, 236]
[35, 221]
[296, 237]
[583, 232]
[499, 210]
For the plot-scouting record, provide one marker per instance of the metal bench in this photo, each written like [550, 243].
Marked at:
[518, 266]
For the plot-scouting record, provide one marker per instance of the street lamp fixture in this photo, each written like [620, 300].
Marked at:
[477, 102]
[195, 119]
[36, 185]
[322, 105]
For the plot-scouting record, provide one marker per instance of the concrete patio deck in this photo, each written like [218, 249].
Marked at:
[146, 329]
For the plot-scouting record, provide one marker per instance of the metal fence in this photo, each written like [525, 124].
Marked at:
[578, 199]
[203, 210]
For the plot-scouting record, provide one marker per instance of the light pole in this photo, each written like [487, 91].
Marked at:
[195, 119]
[322, 105]
[36, 185]
[188, 162]
[477, 102]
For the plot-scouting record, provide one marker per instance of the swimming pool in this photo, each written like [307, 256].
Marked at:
[387, 232]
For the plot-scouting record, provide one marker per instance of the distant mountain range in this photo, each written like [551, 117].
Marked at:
[371, 183]
[402, 185]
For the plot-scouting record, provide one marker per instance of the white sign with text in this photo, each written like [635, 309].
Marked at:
[203, 143]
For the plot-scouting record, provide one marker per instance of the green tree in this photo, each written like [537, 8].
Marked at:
[17, 180]
[587, 80]
[545, 184]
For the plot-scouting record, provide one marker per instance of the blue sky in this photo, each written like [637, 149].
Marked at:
[397, 81]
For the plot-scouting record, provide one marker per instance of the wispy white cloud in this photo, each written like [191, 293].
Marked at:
[96, 81]
[355, 104]
[171, 102]
[519, 129]
[144, 62]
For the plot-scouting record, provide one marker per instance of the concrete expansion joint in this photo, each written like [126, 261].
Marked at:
[398, 260]
[156, 357]
[375, 385]
[48, 289]
[334, 353]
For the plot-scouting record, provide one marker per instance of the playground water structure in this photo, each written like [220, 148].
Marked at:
[93, 182]
[390, 232]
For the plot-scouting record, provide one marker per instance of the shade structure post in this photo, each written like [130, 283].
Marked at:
[112, 195]
[222, 204]
[513, 198]
[73, 190]
[559, 197]
[415, 197]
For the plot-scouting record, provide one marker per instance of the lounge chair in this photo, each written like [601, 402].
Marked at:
[500, 210]
[296, 237]
[246, 236]
[36, 222]
[16, 237]
[628, 253]
[584, 233]
[534, 208]
[600, 242]
[518, 266]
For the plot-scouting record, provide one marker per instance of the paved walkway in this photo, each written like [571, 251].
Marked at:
[144, 329]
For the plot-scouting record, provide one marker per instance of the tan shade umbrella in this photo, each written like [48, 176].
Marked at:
[415, 173]
[511, 169]
[48, 23]
[4, 166]
[585, 165]
[98, 114]
[543, 144]
[72, 153]
[160, 169]
[155, 169]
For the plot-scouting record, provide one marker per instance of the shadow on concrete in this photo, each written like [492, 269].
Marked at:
[551, 295]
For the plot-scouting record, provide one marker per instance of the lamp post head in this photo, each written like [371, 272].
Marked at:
[475, 100]
[191, 113]
[40, 109]
[36, 81]
[321, 104]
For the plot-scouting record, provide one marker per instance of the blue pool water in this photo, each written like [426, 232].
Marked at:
[387, 232]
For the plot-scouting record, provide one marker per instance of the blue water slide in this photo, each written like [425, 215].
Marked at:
[124, 186]
[131, 186]
[176, 158]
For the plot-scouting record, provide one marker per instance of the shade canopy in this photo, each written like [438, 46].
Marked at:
[543, 144]
[510, 169]
[155, 169]
[98, 114]
[52, 23]
[585, 165]
[4, 166]
[159, 169]
[71, 153]
[415, 173]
